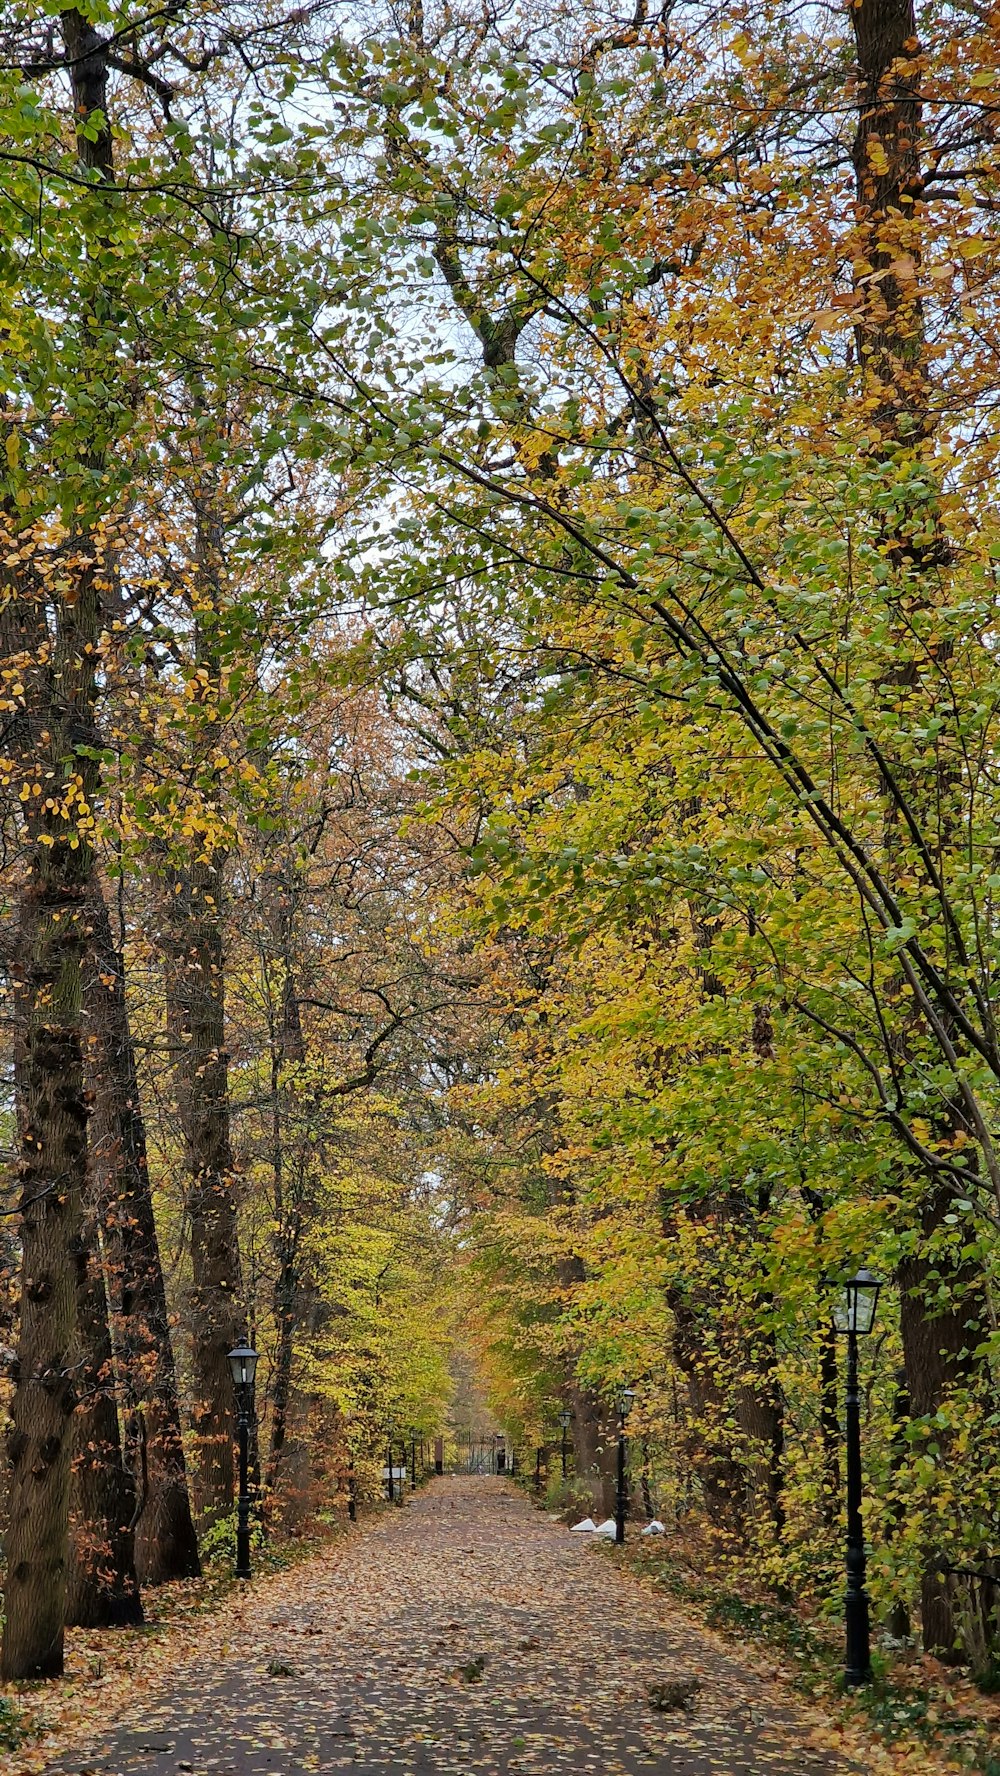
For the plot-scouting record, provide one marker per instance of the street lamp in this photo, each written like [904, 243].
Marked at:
[413, 1458]
[854, 1316]
[242, 1368]
[625, 1402]
[390, 1432]
[564, 1420]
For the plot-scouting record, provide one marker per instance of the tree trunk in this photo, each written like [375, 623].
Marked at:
[890, 189]
[711, 1459]
[101, 1587]
[49, 973]
[195, 996]
[760, 1416]
[287, 1046]
[594, 1445]
[286, 1295]
[165, 1543]
[53, 1171]
[937, 1356]
[892, 351]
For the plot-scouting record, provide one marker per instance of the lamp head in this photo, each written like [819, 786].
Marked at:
[243, 1368]
[626, 1400]
[855, 1309]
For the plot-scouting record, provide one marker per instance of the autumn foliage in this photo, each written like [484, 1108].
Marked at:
[499, 694]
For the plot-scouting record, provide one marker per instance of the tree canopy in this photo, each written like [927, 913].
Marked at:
[499, 684]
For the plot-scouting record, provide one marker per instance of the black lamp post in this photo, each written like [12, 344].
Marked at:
[564, 1420]
[854, 1316]
[413, 1458]
[242, 1368]
[625, 1400]
[391, 1441]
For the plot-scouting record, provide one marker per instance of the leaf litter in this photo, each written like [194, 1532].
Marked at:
[402, 1653]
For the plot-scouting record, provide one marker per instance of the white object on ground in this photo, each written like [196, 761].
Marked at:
[656, 1528]
[606, 1529]
[587, 1527]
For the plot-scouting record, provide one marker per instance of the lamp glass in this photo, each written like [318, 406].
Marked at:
[625, 1402]
[564, 1418]
[855, 1309]
[243, 1366]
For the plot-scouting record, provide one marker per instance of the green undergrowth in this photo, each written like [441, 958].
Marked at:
[13, 1730]
[899, 1706]
[907, 1703]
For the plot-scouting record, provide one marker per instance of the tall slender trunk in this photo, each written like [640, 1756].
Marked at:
[101, 1585]
[54, 1123]
[101, 1590]
[938, 1355]
[53, 1175]
[287, 1045]
[195, 990]
[195, 997]
[760, 1416]
[939, 1336]
[165, 1543]
[285, 1303]
[594, 1444]
[711, 1457]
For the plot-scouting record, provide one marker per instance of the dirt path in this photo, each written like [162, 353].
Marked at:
[465, 1634]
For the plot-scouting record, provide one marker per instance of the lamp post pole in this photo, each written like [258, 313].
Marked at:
[854, 1314]
[858, 1664]
[390, 1464]
[621, 1500]
[352, 1492]
[620, 1489]
[243, 1502]
[564, 1418]
[413, 1458]
[242, 1368]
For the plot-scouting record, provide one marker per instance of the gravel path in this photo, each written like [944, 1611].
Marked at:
[464, 1634]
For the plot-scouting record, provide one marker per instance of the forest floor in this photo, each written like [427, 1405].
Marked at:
[465, 1634]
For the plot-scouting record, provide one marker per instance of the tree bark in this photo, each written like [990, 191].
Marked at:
[711, 1459]
[287, 1046]
[195, 995]
[594, 1444]
[165, 1543]
[101, 1589]
[59, 751]
[53, 1143]
[937, 1345]
[890, 188]
[938, 1356]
